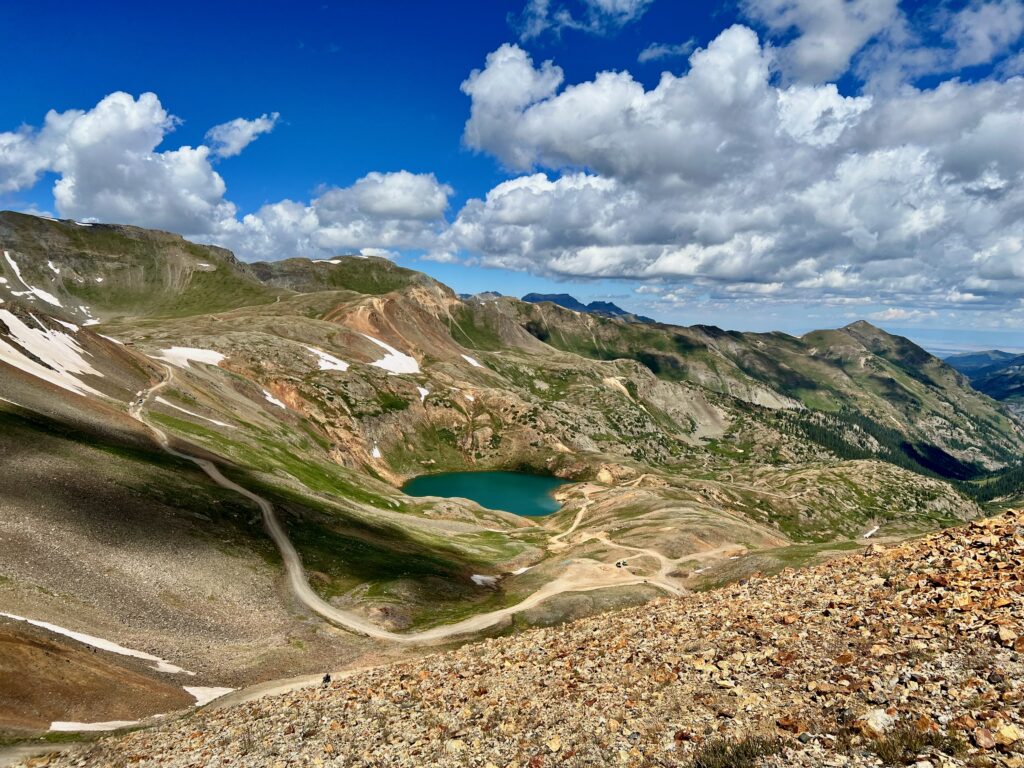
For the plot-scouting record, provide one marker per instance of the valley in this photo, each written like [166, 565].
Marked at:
[204, 461]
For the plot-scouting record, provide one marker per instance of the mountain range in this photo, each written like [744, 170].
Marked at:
[600, 308]
[203, 461]
[998, 374]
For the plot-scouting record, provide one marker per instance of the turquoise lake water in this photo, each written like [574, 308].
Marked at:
[517, 492]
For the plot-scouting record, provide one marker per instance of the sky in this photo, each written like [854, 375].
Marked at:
[753, 164]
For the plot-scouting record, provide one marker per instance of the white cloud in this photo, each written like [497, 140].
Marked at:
[379, 214]
[828, 32]
[898, 313]
[109, 168]
[594, 16]
[723, 179]
[984, 30]
[657, 51]
[230, 138]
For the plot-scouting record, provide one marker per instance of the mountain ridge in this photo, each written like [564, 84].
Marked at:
[600, 308]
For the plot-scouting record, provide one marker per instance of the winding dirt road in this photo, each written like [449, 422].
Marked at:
[579, 576]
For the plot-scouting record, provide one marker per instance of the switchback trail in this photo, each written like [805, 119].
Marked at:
[579, 576]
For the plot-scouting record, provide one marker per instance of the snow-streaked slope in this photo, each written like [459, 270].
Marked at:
[182, 356]
[327, 361]
[273, 400]
[49, 298]
[160, 665]
[59, 358]
[394, 361]
[169, 404]
[204, 695]
[68, 726]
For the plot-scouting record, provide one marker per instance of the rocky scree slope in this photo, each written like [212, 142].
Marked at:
[909, 654]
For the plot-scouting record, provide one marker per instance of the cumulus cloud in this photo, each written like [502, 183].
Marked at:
[984, 30]
[657, 51]
[230, 138]
[594, 16]
[109, 167]
[724, 179]
[826, 33]
[379, 214]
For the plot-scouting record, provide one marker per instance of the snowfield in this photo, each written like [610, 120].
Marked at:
[472, 361]
[169, 404]
[204, 695]
[327, 361]
[395, 361]
[160, 665]
[182, 356]
[49, 298]
[58, 355]
[484, 581]
[72, 727]
[273, 400]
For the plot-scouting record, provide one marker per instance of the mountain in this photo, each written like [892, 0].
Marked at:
[203, 461]
[600, 308]
[1000, 375]
[1003, 380]
[969, 363]
[561, 299]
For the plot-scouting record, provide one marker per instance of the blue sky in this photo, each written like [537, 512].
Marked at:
[783, 177]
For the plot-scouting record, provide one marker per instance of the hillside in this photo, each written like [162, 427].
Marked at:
[1003, 380]
[1000, 375]
[209, 468]
[969, 363]
[902, 655]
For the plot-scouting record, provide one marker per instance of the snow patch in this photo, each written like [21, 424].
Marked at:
[160, 665]
[83, 223]
[273, 400]
[69, 326]
[49, 298]
[423, 393]
[68, 726]
[58, 355]
[521, 571]
[99, 279]
[3, 281]
[204, 695]
[376, 451]
[394, 361]
[872, 532]
[182, 356]
[472, 361]
[53, 267]
[484, 581]
[108, 338]
[328, 362]
[169, 404]
[469, 397]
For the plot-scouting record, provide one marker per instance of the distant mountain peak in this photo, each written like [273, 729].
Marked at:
[601, 308]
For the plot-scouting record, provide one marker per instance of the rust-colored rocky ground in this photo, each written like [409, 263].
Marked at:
[913, 652]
